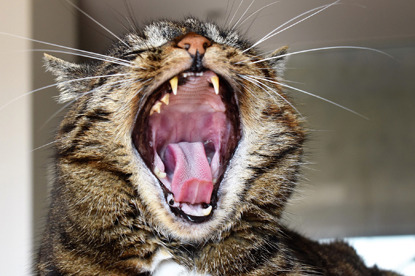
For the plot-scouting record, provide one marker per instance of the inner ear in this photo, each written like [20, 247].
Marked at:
[278, 59]
[70, 77]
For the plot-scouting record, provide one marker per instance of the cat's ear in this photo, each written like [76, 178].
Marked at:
[278, 59]
[70, 77]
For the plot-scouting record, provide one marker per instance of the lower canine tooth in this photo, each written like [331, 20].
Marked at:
[173, 83]
[171, 202]
[207, 211]
[159, 173]
[215, 82]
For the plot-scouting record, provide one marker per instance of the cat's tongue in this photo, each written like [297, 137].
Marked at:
[192, 176]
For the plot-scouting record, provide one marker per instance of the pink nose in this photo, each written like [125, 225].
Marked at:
[193, 43]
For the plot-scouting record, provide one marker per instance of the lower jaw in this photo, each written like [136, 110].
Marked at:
[194, 213]
[178, 211]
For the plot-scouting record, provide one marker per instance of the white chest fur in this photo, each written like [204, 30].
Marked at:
[163, 265]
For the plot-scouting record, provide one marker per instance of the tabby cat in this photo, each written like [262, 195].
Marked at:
[178, 154]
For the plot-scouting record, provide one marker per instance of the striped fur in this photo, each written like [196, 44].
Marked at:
[108, 215]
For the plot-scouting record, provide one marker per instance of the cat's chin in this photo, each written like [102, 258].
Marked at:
[193, 128]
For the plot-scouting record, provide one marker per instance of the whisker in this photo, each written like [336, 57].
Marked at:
[259, 84]
[25, 95]
[44, 146]
[59, 111]
[81, 55]
[324, 99]
[108, 58]
[236, 12]
[228, 11]
[326, 48]
[53, 85]
[313, 95]
[125, 106]
[274, 32]
[240, 18]
[96, 22]
[74, 100]
[63, 108]
[257, 11]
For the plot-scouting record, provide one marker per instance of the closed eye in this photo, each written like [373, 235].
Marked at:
[132, 55]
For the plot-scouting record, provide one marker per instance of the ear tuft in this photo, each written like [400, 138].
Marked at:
[69, 77]
[278, 59]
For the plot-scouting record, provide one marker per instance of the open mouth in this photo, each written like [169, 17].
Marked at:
[191, 125]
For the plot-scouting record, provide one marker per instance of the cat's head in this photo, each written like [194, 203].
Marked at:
[184, 126]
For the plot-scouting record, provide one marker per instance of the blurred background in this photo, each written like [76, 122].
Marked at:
[358, 178]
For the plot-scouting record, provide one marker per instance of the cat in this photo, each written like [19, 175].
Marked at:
[179, 152]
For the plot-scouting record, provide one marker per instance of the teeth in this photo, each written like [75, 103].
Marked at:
[171, 202]
[173, 83]
[215, 82]
[170, 199]
[159, 173]
[155, 108]
[166, 99]
[207, 211]
[191, 74]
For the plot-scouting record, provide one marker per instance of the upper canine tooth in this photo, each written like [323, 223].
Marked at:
[155, 108]
[173, 83]
[215, 82]
[166, 99]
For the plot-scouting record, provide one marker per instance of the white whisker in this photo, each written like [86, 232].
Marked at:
[108, 58]
[257, 11]
[44, 146]
[228, 11]
[53, 85]
[240, 18]
[274, 32]
[81, 55]
[96, 22]
[74, 100]
[324, 99]
[253, 79]
[313, 95]
[25, 95]
[326, 48]
[230, 22]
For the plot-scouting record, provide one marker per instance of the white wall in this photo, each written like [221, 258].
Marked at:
[15, 140]
[23, 170]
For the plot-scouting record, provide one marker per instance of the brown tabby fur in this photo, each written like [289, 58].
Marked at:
[108, 215]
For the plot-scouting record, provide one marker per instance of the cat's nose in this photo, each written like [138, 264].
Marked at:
[194, 43]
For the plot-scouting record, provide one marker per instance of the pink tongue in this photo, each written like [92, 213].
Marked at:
[192, 177]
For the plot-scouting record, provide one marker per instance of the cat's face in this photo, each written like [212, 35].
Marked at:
[188, 116]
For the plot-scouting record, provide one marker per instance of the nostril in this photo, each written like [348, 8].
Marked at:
[194, 43]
